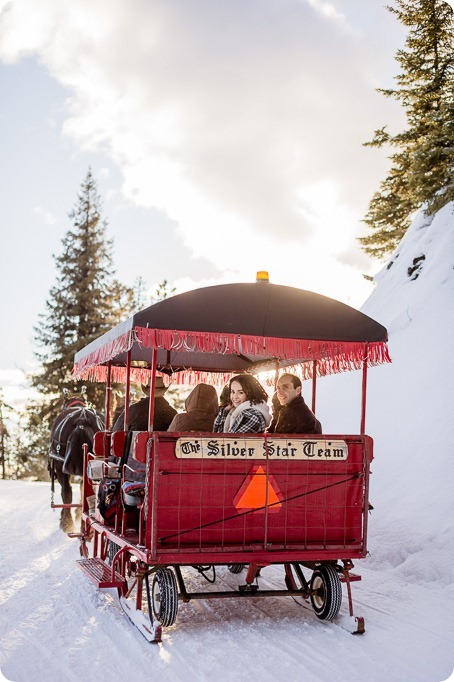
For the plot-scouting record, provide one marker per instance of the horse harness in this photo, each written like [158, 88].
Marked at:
[76, 418]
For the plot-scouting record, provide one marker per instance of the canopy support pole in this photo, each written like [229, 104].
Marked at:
[314, 384]
[364, 391]
[154, 357]
[108, 394]
[128, 388]
[276, 374]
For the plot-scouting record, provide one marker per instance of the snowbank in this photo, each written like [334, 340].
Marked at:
[56, 626]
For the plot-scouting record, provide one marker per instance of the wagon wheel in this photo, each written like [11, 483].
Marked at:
[326, 592]
[112, 549]
[236, 568]
[164, 596]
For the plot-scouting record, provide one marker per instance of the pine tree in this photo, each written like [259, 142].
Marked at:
[140, 293]
[5, 438]
[163, 290]
[422, 169]
[86, 301]
[31, 444]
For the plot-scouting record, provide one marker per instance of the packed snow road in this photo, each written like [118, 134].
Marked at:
[56, 626]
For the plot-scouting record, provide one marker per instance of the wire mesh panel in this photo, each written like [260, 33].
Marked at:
[270, 493]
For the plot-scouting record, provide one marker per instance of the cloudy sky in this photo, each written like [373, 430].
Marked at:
[226, 137]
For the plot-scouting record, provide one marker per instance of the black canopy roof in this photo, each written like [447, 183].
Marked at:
[237, 327]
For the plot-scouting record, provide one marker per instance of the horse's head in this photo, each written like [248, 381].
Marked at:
[75, 400]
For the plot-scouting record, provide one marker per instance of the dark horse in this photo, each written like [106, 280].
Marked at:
[71, 429]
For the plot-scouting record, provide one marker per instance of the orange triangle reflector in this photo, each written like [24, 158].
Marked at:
[258, 492]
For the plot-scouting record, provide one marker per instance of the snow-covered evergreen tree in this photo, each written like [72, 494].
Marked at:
[86, 301]
[422, 170]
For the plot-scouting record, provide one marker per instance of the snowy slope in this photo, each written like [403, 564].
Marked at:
[410, 407]
[54, 624]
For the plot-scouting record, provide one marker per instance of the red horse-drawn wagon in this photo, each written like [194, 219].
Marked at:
[243, 501]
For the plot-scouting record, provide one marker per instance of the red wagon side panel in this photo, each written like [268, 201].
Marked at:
[216, 508]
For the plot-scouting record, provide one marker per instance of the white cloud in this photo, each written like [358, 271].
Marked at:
[328, 10]
[14, 389]
[47, 217]
[11, 377]
[243, 122]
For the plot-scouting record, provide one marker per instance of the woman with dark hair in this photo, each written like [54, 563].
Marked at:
[247, 411]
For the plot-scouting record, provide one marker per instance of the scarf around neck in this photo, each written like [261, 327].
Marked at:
[234, 413]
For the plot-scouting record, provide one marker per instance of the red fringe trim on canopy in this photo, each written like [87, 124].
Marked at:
[186, 377]
[105, 353]
[332, 356]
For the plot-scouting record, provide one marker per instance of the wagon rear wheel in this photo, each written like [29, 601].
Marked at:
[235, 568]
[326, 592]
[164, 596]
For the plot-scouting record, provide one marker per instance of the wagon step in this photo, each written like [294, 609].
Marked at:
[100, 573]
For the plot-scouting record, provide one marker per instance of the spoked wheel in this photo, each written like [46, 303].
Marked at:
[236, 568]
[326, 592]
[164, 596]
[112, 549]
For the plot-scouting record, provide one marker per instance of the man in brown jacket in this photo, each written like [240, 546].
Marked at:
[294, 415]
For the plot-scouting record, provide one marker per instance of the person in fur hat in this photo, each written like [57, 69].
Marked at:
[247, 411]
[138, 412]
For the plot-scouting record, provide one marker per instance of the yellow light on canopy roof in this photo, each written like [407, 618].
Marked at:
[262, 276]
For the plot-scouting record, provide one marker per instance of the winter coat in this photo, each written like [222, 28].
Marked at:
[201, 409]
[295, 417]
[245, 418]
[138, 416]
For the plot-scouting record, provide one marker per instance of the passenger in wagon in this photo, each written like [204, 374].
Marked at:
[224, 398]
[138, 412]
[247, 411]
[294, 415]
[201, 409]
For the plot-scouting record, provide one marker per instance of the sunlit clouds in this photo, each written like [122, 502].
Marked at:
[243, 123]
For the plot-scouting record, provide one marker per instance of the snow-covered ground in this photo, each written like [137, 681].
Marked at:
[56, 626]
